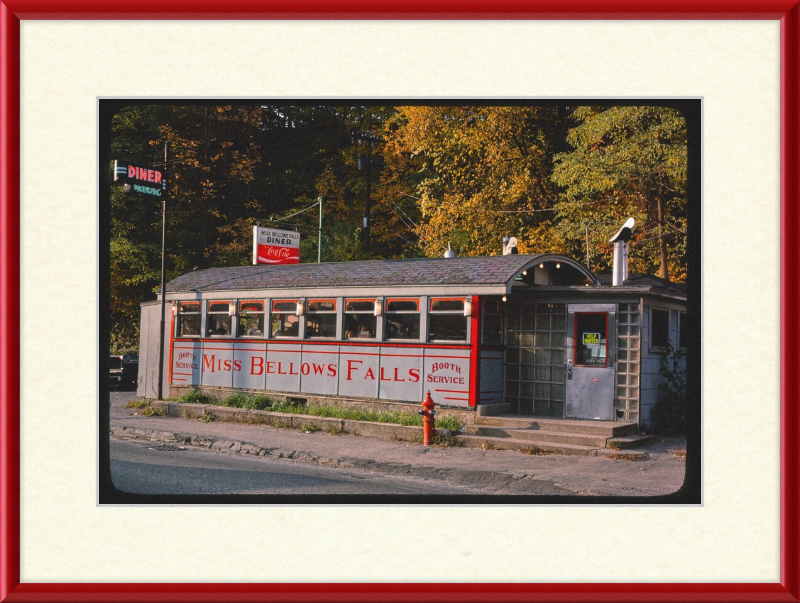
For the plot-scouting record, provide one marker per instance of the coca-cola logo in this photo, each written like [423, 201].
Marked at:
[278, 252]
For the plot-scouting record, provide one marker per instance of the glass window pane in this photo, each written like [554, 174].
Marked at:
[285, 325]
[402, 326]
[359, 305]
[218, 324]
[492, 329]
[359, 325]
[321, 325]
[447, 327]
[682, 330]
[219, 307]
[402, 305]
[326, 305]
[590, 339]
[190, 306]
[188, 324]
[447, 305]
[251, 306]
[659, 328]
[284, 306]
[251, 325]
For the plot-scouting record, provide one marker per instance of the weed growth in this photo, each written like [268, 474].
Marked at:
[208, 416]
[138, 404]
[309, 428]
[261, 402]
[149, 411]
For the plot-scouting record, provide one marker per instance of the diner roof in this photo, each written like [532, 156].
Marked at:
[426, 272]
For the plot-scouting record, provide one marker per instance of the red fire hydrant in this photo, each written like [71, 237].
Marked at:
[428, 420]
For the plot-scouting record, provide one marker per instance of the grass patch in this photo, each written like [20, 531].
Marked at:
[333, 430]
[196, 397]
[208, 416]
[138, 404]
[149, 411]
[261, 402]
[309, 428]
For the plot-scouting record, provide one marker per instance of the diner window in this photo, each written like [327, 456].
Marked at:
[492, 312]
[359, 318]
[219, 319]
[284, 319]
[682, 331]
[321, 318]
[402, 319]
[446, 321]
[188, 319]
[659, 328]
[251, 319]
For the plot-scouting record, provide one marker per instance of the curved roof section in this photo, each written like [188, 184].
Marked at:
[486, 270]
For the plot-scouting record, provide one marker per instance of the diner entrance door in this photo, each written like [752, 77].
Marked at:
[590, 361]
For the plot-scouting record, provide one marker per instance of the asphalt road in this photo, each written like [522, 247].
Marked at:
[141, 468]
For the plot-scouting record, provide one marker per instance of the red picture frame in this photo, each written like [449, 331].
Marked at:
[12, 11]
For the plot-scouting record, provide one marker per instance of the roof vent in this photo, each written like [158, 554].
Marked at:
[449, 253]
[620, 240]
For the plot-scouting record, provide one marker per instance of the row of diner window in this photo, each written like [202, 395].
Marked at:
[447, 319]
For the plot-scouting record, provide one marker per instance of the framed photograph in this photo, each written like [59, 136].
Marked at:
[60, 542]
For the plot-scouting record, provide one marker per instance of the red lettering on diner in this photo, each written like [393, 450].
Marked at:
[351, 368]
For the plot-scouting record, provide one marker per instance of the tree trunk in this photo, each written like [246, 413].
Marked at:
[662, 242]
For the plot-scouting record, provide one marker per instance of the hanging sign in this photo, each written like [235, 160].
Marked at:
[272, 246]
[591, 339]
[141, 180]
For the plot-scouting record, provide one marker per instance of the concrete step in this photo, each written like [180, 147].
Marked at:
[608, 429]
[529, 447]
[490, 443]
[625, 442]
[538, 436]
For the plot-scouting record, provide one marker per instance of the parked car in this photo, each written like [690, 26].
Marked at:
[124, 371]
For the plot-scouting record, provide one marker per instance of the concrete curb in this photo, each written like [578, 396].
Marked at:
[384, 431]
[462, 477]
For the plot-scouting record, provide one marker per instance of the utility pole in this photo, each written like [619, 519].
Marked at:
[163, 274]
[370, 140]
[319, 239]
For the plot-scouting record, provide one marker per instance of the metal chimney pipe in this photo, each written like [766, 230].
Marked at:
[620, 273]
[620, 240]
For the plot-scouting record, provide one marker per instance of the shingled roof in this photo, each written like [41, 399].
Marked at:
[491, 270]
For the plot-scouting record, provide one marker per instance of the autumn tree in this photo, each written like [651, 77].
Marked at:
[627, 161]
[481, 172]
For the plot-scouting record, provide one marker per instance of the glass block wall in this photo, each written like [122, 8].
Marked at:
[534, 362]
[629, 324]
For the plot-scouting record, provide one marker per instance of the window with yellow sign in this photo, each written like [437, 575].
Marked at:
[590, 338]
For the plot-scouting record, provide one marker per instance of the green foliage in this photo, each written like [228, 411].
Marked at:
[138, 404]
[669, 415]
[149, 411]
[626, 162]
[196, 397]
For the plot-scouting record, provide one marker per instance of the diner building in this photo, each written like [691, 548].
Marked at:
[512, 334]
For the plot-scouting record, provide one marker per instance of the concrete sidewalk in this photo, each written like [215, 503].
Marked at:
[491, 471]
